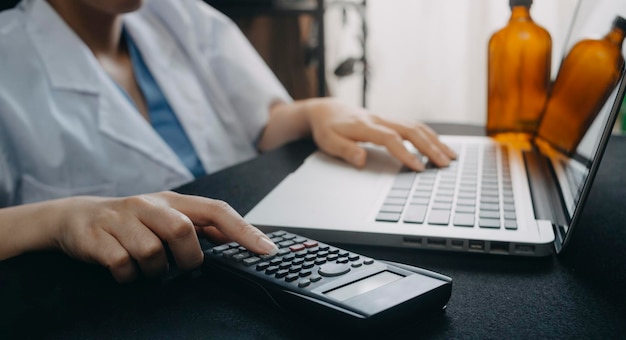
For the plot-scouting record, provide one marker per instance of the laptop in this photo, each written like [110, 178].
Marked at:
[511, 196]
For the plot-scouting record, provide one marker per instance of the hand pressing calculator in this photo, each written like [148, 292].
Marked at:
[325, 281]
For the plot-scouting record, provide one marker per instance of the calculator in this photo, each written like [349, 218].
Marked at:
[324, 281]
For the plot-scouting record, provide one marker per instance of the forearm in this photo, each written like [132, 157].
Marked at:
[30, 227]
[287, 122]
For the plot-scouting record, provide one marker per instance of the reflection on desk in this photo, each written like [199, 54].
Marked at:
[578, 294]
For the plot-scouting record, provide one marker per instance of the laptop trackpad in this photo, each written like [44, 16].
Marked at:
[349, 194]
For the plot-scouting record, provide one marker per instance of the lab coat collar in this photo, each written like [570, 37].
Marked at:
[71, 66]
[78, 74]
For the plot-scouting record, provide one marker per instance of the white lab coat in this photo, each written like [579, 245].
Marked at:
[66, 129]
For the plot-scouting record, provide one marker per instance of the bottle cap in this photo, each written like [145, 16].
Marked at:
[526, 3]
[620, 23]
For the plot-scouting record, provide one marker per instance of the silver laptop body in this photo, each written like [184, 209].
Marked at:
[514, 196]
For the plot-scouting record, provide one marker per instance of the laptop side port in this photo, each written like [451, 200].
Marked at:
[457, 244]
[436, 242]
[525, 249]
[499, 247]
[412, 241]
[476, 245]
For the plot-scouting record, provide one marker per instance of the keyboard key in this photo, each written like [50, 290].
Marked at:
[391, 208]
[510, 225]
[403, 180]
[489, 223]
[464, 220]
[415, 214]
[420, 201]
[489, 214]
[443, 198]
[465, 209]
[387, 217]
[464, 201]
[490, 206]
[441, 206]
[394, 201]
[398, 193]
[509, 207]
[439, 217]
[510, 215]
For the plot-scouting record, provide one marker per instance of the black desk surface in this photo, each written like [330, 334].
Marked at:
[578, 294]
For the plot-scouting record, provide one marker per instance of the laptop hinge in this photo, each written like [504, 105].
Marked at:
[547, 202]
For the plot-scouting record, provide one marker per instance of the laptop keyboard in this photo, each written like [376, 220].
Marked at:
[476, 194]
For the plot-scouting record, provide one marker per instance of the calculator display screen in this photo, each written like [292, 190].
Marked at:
[362, 286]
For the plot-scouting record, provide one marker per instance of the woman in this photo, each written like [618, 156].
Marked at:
[119, 98]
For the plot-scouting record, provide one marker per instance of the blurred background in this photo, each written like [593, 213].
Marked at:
[420, 59]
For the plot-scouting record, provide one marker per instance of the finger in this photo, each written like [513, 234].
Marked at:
[174, 228]
[382, 135]
[435, 138]
[426, 143]
[338, 146]
[142, 245]
[204, 211]
[213, 234]
[107, 251]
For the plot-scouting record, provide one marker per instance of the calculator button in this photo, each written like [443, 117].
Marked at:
[324, 247]
[285, 243]
[283, 251]
[368, 261]
[276, 261]
[296, 247]
[289, 236]
[322, 253]
[353, 257]
[220, 249]
[310, 244]
[291, 277]
[266, 257]
[315, 278]
[333, 250]
[342, 260]
[301, 254]
[310, 257]
[313, 250]
[277, 239]
[295, 269]
[343, 254]
[262, 266]
[289, 257]
[356, 264]
[333, 269]
[230, 252]
[304, 273]
[279, 233]
[303, 283]
[241, 256]
[308, 265]
[271, 270]
[284, 265]
[282, 273]
[299, 240]
[332, 257]
[251, 260]
[320, 262]
[297, 261]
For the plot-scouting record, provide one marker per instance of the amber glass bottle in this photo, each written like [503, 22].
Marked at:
[519, 62]
[587, 76]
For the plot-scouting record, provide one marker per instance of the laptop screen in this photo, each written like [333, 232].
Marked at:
[575, 170]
